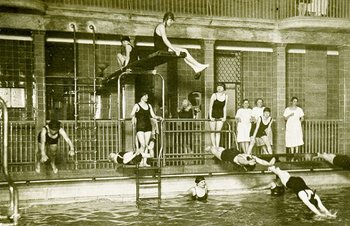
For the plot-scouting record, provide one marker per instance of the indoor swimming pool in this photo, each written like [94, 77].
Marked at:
[258, 208]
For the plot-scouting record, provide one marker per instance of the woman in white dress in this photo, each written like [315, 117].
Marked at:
[294, 115]
[243, 117]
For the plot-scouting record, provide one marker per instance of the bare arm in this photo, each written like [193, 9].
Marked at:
[42, 142]
[304, 197]
[212, 99]
[133, 112]
[153, 114]
[263, 162]
[69, 142]
[257, 127]
[225, 107]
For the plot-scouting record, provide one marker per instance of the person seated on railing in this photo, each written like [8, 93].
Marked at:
[141, 115]
[128, 53]
[162, 43]
[128, 158]
[48, 144]
[263, 132]
[200, 190]
[299, 187]
[342, 161]
[248, 162]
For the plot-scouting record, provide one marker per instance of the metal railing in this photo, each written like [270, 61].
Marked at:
[321, 136]
[186, 139]
[14, 215]
[180, 139]
[255, 9]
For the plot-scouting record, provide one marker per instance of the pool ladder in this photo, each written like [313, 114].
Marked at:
[148, 178]
[13, 213]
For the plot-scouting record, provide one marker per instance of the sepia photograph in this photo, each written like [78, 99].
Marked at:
[174, 112]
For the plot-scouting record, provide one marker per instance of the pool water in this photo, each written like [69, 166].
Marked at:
[244, 209]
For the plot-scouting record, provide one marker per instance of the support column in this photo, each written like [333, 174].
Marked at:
[208, 81]
[39, 74]
[344, 99]
[280, 98]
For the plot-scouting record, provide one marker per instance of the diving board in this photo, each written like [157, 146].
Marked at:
[142, 66]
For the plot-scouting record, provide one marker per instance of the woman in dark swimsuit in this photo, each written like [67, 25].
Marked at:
[217, 113]
[262, 130]
[200, 191]
[162, 43]
[299, 187]
[248, 162]
[141, 116]
[48, 144]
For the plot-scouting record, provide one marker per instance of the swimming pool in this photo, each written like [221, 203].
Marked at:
[244, 209]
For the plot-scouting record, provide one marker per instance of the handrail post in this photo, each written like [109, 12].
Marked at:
[12, 187]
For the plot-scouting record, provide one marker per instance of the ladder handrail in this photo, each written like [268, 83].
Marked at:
[12, 187]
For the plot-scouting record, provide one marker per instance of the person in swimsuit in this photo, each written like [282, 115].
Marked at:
[48, 144]
[141, 115]
[128, 53]
[248, 162]
[127, 158]
[162, 43]
[342, 161]
[262, 130]
[299, 187]
[200, 190]
[217, 113]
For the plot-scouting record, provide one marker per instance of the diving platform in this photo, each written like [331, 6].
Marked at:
[143, 66]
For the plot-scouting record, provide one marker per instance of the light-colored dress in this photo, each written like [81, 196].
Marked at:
[257, 112]
[243, 127]
[294, 132]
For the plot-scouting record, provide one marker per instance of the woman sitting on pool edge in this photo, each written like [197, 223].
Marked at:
[248, 162]
[200, 190]
[299, 187]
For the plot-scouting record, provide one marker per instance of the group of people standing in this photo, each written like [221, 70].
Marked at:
[254, 126]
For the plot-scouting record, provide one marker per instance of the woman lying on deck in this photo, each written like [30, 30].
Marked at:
[128, 158]
[342, 161]
[248, 162]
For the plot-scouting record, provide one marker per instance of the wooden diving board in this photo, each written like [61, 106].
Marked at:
[142, 66]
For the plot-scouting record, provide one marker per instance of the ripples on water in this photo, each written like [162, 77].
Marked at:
[245, 209]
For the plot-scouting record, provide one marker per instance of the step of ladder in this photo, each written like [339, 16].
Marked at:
[147, 181]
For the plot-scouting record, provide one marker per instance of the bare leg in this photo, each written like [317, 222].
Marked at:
[212, 125]
[193, 63]
[283, 175]
[120, 59]
[268, 145]
[328, 157]
[219, 125]
[52, 150]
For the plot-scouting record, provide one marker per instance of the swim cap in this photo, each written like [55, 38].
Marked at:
[199, 179]
[168, 15]
[125, 38]
[54, 124]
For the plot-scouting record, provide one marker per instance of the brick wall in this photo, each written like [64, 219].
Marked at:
[16, 59]
[257, 77]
